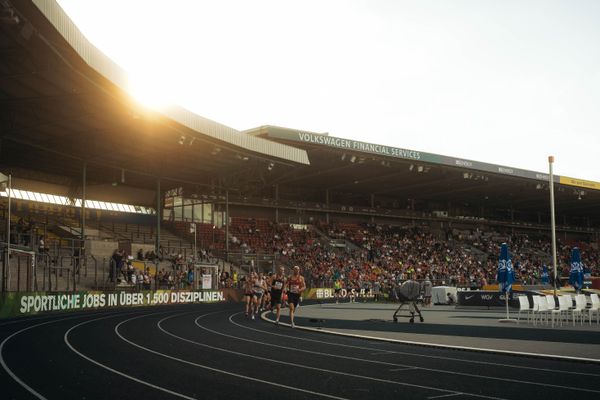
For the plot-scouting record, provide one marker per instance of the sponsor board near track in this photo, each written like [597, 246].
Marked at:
[329, 293]
[17, 304]
[487, 299]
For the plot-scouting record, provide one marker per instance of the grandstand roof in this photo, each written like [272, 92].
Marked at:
[63, 102]
[352, 166]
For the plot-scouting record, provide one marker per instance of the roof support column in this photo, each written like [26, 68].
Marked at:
[83, 187]
[327, 203]
[158, 218]
[6, 266]
[372, 206]
[81, 247]
[276, 204]
[227, 225]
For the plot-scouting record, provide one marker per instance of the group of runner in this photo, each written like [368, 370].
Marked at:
[270, 292]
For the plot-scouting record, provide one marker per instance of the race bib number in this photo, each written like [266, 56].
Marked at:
[278, 285]
[294, 288]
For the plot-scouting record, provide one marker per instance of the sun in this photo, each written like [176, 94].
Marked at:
[150, 89]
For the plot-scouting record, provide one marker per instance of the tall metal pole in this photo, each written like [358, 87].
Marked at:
[83, 184]
[6, 285]
[276, 204]
[77, 263]
[227, 225]
[552, 221]
[83, 196]
[157, 244]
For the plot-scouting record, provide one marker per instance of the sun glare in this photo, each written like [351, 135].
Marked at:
[150, 90]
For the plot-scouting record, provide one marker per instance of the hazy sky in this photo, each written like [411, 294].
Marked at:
[504, 81]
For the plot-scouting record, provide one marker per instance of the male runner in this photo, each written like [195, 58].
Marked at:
[248, 294]
[295, 286]
[277, 285]
[267, 297]
[258, 289]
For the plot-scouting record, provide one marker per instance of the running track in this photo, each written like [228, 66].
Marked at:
[212, 351]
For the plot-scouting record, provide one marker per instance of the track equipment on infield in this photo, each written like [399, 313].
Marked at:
[408, 294]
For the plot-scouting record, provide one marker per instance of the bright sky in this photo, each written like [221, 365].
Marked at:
[502, 81]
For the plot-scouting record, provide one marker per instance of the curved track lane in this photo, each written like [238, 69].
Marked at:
[213, 351]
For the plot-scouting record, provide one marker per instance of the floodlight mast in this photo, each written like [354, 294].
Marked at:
[552, 221]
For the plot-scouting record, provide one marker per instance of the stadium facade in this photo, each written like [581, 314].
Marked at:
[69, 129]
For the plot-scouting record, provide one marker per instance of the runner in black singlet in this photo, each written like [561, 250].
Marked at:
[277, 285]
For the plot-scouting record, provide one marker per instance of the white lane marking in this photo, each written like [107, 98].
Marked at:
[162, 389]
[263, 316]
[211, 368]
[433, 369]
[319, 353]
[309, 367]
[448, 346]
[27, 319]
[403, 369]
[444, 395]
[74, 314]
[454, 347]
[9, 371]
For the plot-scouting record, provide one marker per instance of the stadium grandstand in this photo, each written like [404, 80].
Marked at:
[96, 177]
[132, 219]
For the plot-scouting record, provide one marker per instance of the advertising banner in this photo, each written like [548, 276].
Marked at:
[30, 303]
[328, 293]
[582, 183]
[471, 298]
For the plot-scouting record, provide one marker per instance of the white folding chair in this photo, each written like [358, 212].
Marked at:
[551, 302]
[595, 309]
[543, 309]
[552, 308]
[523, 307]
[536, 311]
[579, 308]
[564, 304]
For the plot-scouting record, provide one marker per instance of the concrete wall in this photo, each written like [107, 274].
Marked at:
[100, 248]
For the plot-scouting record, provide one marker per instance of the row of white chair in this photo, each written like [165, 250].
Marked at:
[545, 307]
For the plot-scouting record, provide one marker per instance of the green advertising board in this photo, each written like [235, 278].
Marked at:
[397, 152]
[32, 303]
